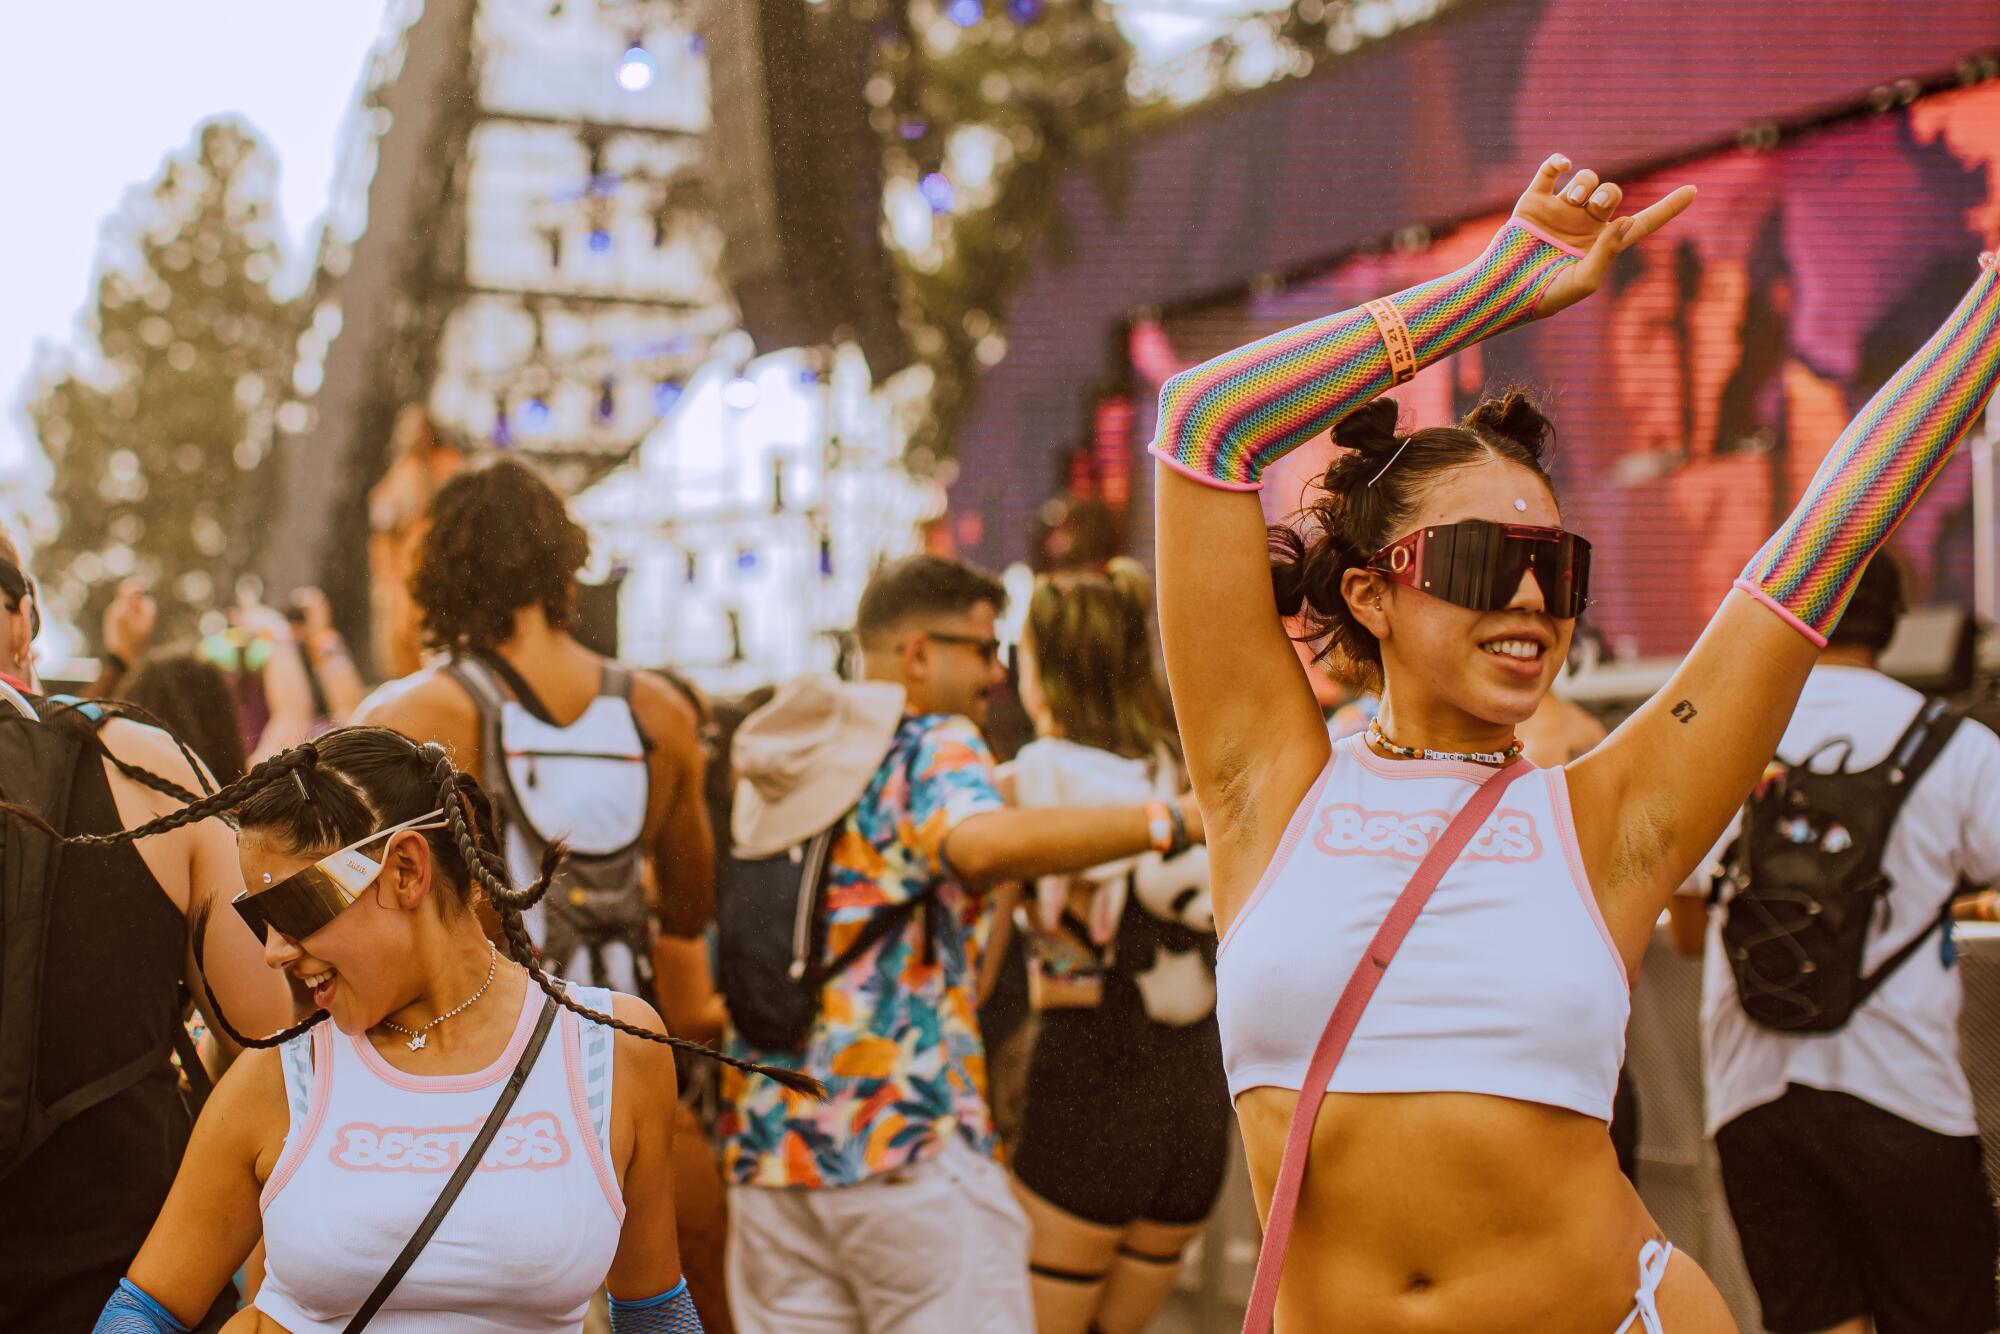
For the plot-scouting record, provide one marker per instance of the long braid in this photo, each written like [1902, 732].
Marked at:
[280, 766]
[94, 716]
[199, 926]
[510, 903]
[97, 712]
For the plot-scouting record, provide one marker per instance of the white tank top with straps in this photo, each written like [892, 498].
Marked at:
[526, 1244]
[1508, 984]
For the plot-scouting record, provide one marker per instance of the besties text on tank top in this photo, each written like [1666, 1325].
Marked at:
[1507, 985]
[370, 1147]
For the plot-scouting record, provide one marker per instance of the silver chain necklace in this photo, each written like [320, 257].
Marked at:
[417, 1035]
[1378, 737]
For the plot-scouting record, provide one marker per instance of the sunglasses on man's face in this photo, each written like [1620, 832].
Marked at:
[307, 900]
[988, 649]
[1479, 564]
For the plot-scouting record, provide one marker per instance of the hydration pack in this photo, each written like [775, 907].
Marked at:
[1803, 885]
[587, 785]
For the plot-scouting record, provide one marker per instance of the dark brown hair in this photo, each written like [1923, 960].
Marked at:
[329, 792]
[193, 700]
[1375, 484]
[1092, 640]
[923, 585]
[499, 539]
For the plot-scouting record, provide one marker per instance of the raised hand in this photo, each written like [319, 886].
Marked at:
[1583, 215]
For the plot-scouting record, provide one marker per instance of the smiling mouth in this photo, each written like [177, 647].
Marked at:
[1521, 650]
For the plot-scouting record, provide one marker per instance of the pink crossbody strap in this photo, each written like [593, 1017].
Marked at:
[1340, 1027]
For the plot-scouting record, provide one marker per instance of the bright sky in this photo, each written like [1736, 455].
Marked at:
[95, 94]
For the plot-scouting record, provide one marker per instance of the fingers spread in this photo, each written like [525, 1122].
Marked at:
[1549, 173]
[1578, 190]
[1604, 201]
[1650, 220]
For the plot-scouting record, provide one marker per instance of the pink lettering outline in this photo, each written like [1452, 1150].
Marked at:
[524, 1143]
[1347, 830]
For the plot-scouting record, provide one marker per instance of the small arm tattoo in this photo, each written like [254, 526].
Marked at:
[1685, 711]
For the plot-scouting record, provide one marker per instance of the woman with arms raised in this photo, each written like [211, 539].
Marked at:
[366, 854]
[1460, 1177]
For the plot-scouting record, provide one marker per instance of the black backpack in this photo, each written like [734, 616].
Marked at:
[770, 921]
[38, 765]
[1806, 877]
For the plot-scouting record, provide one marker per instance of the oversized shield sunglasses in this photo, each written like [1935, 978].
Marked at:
[1478, 564]
[308, 899]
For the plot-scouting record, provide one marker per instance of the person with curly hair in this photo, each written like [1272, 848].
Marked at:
[495, 582]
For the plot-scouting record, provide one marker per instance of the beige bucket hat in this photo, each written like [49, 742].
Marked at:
[804, 759]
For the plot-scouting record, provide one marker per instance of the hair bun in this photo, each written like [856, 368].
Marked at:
[1513, 416]
[1370, 430]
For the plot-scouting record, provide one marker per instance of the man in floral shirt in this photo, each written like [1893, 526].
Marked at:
[882, 1207]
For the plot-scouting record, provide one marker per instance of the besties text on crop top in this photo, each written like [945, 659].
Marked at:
[1508, 984]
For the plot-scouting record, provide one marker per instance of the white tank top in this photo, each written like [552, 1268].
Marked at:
[1508, 984]
[528, 1241]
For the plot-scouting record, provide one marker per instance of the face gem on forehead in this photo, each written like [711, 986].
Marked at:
[1520, 504]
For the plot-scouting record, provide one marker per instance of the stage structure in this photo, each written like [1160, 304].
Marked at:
[1776, 302]
[517, 243]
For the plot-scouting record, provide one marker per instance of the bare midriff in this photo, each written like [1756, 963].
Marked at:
[1424, 1213]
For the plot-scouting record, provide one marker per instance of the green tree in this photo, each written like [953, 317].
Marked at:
[156, 421]
[1025, 89]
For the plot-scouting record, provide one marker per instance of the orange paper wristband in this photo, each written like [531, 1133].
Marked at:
[1395, 338]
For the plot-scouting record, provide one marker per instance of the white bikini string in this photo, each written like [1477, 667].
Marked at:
[1653, 1257]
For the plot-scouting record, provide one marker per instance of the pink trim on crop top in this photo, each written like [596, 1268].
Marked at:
[502, 1066]
[1509, 984]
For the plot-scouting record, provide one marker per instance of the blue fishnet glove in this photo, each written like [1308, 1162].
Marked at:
[131, 1311]
[672, 1312]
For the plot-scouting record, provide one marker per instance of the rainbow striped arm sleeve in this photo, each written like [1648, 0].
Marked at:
[1223, 422]
[1879, 466]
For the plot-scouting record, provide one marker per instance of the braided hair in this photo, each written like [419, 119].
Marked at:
[338, 788]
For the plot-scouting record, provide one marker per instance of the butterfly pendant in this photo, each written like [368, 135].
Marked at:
[417, 1043]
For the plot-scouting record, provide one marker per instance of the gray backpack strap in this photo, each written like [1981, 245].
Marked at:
[473, 677]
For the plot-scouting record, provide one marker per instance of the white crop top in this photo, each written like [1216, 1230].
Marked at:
[524, 1247]
[1508, 984]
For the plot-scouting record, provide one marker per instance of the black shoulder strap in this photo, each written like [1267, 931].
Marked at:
[895, 916]
[1915, 752]
[517, 685]
[1917, 749]
[466, 1167]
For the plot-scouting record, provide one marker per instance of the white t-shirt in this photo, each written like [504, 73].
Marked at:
[1900, 1050]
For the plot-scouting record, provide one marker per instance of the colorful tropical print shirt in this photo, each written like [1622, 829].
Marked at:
[897, 1040]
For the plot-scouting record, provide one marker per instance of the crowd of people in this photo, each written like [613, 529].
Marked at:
[538, 992]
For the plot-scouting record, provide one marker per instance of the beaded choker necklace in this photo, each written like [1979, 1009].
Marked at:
[1378, 738]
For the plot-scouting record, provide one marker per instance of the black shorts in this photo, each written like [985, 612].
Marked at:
[1125, 1121]
[1845, 1209]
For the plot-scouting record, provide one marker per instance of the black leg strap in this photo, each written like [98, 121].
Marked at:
[1064, 1275]
[1127, 1253]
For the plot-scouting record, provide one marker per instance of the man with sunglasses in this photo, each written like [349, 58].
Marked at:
[883, 1206]
[98, 1076]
